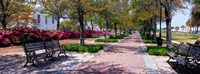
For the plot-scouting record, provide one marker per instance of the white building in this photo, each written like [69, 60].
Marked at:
[42, 21]
[186, 29]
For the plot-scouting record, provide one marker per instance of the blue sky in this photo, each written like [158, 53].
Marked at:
[180, 17]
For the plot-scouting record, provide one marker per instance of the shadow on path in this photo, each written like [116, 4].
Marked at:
[15, 65]
[93, 67]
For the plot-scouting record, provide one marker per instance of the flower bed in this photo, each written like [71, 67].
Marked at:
[19, 35]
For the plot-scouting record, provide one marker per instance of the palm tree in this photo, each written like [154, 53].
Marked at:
[196, 14]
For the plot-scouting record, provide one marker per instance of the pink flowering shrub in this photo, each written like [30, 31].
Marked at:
[20, 35]
[4, 38]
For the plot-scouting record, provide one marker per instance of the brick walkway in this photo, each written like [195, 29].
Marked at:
[125, 57]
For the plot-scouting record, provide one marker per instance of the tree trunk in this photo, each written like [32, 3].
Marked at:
[160, 34]
[3, 16]
[3, 22]
[58, 23]
[197, 29]
[168, 17]
[154, 30]
[80, 14]
[115, 25]
[107, 25]
[92, 25]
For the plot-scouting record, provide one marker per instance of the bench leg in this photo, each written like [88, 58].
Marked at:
[63, 51]
[26, 63]
[49, 56]
[30, 60]
[169, 59]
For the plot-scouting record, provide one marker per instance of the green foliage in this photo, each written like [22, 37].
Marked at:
[118, 36]
[83, 48]
[158, 51]
[106, 40]
[55, 8]
[149, 41]
[12, 11]
[145, 40]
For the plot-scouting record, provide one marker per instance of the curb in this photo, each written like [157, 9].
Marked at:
[151, 67]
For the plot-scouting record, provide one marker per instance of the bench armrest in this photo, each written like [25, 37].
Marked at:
[30, 53]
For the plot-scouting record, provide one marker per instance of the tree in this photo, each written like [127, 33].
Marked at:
[104, 8]
[182, 26]
[169, 6]
[55, 8]
[189, 24]
[77, 10]
[9, 8]
[147, 12]
[176, 28]
[195, 20]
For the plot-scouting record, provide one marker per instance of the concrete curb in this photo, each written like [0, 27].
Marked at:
[151, 67]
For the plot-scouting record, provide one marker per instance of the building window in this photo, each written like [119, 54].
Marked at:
[45, 20]
[53, 20]
[38, 18]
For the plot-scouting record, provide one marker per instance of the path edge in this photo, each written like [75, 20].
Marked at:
[151, 67]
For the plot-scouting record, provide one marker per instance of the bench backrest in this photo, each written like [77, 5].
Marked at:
[176, 45]
[183, 48]
[34, 46]
[52, 44]
[194, 52]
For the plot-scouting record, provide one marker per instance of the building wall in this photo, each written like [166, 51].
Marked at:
[47, 25]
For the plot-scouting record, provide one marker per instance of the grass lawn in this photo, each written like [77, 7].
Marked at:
[181, 37]
[149, 40]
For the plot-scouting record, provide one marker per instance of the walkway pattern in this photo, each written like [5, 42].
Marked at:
[125, 57]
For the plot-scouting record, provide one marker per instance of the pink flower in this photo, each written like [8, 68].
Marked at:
[15, 38]
[25, 30]
[1, 37]
[5, 41]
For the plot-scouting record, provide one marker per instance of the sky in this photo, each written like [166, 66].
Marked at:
[180, 17]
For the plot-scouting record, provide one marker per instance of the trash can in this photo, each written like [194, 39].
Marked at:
[159, 41]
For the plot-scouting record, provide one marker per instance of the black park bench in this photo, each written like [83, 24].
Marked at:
[182, 50]
[192, 57]
[55, 46]
[35, 50]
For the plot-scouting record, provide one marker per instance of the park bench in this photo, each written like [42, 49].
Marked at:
[182, 50]
[192, 57]
[54, 46]
[35, 50]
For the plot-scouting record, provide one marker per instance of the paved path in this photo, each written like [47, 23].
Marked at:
[125, 57]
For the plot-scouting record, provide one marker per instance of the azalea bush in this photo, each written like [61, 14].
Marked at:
[4, 38]
[19, 35]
